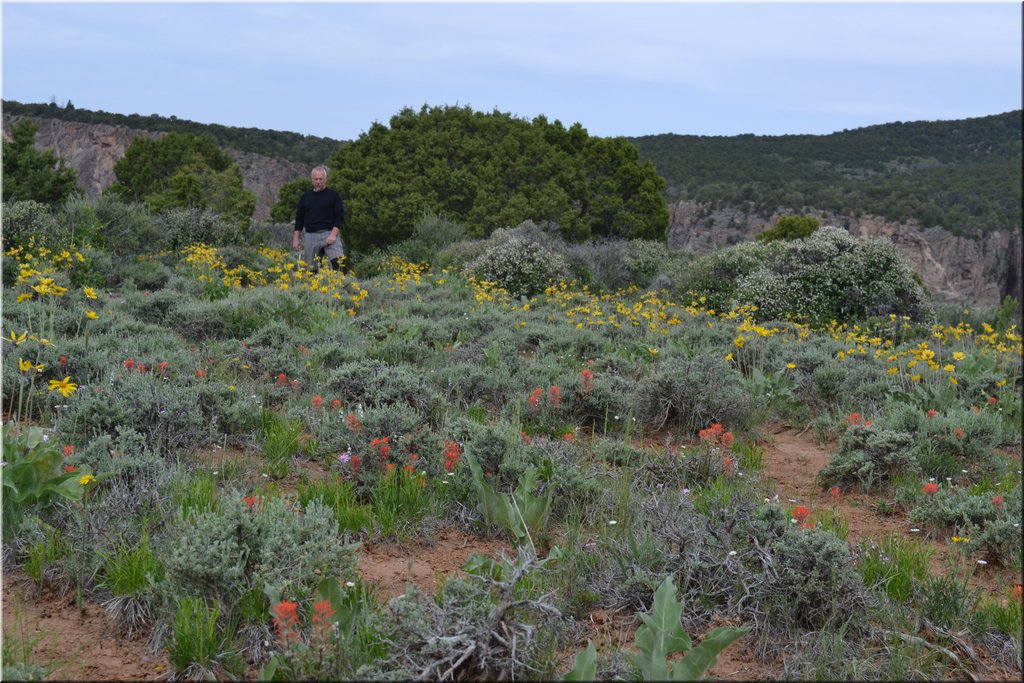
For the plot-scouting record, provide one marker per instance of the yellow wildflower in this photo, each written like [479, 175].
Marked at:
[90, 293]
[84, 481]
[65, 386]
[24, 365]
[92, 315]
[791, 366]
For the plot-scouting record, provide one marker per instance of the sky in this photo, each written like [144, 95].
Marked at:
[618, 69]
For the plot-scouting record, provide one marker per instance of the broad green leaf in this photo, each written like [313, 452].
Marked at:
[661, 634]
[584, 667]
[701, 658]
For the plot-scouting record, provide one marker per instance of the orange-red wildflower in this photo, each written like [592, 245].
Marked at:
[535, 397]
[286, 619]
[555, 396]
[322, 613]
[931, 488]
[452, 456]
[586, 381]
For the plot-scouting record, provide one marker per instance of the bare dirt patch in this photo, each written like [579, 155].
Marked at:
[427, 563]
[72, 644]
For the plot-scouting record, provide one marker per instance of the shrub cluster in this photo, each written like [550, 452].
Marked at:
[518, 264]
[829, 275]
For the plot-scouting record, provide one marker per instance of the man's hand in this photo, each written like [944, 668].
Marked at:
[332, 238]
[296, 243]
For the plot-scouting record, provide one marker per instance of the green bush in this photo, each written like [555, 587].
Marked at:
[267, 545]
[522, 267]
[611, 265]
[869, 457]
[829, 275]
[146, 274]
[152, 306]
[790, 228]
[375, 384]
[128, 228]
[689, 394]
[466, 384]
[181, 227]
[28, 221]
[166, 412]
[817, 585]
[432, 234]
[715, 276]
[201, 320]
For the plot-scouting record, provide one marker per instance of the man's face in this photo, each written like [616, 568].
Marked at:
[319, 181]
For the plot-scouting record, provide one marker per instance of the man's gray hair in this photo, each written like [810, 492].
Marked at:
[319, 168]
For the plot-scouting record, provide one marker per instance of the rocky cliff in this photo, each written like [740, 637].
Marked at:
[962, 270]
[93, 149]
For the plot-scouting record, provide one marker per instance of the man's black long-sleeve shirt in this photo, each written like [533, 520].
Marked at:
[319, 211]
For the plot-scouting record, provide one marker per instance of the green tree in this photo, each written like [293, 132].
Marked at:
[32, 174]
[492, 170]
[790, 228]
[185, 171]
[283, 211]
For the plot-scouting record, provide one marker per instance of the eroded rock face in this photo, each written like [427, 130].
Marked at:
[92, 150]
[961, 270]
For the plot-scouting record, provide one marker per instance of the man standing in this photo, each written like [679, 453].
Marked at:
[321, 212]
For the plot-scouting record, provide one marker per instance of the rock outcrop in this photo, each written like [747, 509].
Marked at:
[92, 150]
[956, 269]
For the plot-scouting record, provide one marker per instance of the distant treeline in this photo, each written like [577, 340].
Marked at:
[964, 175]
[305, 149]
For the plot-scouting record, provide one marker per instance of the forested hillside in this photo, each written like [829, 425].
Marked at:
[963, 175]
[305, 149]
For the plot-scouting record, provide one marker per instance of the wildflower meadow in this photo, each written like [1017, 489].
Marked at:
[203, 438]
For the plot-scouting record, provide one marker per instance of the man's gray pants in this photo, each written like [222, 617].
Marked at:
[315, 248]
